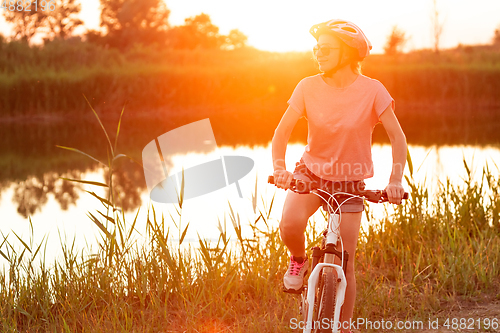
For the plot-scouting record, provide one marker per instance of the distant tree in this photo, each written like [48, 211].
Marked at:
[496, 37]
[395, 41]
[63, 20]
[94, 36]
[235, 39]
[437, 26]
[198, 31]
[127, 22]
[27, 21]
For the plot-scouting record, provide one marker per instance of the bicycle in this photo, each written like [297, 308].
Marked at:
[326, 285]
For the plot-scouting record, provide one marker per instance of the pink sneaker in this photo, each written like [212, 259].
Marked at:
[294, 276]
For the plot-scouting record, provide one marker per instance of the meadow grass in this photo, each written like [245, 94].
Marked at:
[433, 250]
[411, 264]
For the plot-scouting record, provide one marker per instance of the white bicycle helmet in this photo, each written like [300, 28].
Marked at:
[348, 32]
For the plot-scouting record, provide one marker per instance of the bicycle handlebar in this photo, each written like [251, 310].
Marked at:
[304, 187]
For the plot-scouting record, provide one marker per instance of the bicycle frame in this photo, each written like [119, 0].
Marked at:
[332, 236]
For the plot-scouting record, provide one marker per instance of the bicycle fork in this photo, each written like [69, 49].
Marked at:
[332, 235]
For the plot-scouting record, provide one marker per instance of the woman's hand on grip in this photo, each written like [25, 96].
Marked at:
[395, 192]
[282, 178]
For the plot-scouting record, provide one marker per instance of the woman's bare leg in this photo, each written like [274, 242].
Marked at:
[349, 231]
[296, 211]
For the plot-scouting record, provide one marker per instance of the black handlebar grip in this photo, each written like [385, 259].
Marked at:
[405, 195]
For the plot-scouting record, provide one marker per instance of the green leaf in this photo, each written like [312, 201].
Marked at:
[120, 233]
[4, 240]
[183, 234]
[81, 152]
[21, 257]
[21, 310]
[254, 197]
[410, 164]
[423, 161]
[118, 128]
[222, 252]
[119, 156]
[25, 245]
[181, 198]
[408, 180]
[38, 249]
[271, 206]
[99, 224]
[104, 201]
[133, 224]
[110, 219]
[204, 252]
[314, 242]
[100, 123]
[466, 167]
[84, 182]
[3, 255]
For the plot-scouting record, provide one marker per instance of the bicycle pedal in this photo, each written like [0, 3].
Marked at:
[293, 291]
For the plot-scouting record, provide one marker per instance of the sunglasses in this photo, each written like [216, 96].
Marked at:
[325, 50]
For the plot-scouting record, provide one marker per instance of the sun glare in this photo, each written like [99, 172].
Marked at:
[279, 26]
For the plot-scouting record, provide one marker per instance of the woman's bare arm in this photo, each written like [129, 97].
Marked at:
[395, 188]
[279, 143]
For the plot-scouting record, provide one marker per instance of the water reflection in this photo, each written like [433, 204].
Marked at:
[431, 166]
[128, 185]
[32, 194]
[31, 164]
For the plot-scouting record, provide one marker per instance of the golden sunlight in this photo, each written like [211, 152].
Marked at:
[279, 26]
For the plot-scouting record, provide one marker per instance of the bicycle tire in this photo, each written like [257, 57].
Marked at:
[326, 297]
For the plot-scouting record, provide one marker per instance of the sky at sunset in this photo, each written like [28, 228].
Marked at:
[280, 25]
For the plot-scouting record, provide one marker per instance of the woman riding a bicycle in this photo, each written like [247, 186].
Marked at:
[342, 107]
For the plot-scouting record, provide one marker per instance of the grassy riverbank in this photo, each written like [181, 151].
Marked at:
[52, 79]
[411, 265]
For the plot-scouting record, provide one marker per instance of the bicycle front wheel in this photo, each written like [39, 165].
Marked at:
[326, 296]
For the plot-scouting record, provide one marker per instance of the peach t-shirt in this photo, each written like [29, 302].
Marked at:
[341, 122]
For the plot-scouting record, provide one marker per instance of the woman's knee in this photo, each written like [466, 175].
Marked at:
[296, 212]
[292, 225]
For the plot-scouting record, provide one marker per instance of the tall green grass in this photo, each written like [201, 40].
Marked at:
[412, 264]
[431, 251]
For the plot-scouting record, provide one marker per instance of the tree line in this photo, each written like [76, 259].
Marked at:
[123, 24]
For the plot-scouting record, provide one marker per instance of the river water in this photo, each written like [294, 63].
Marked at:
[60, 216]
